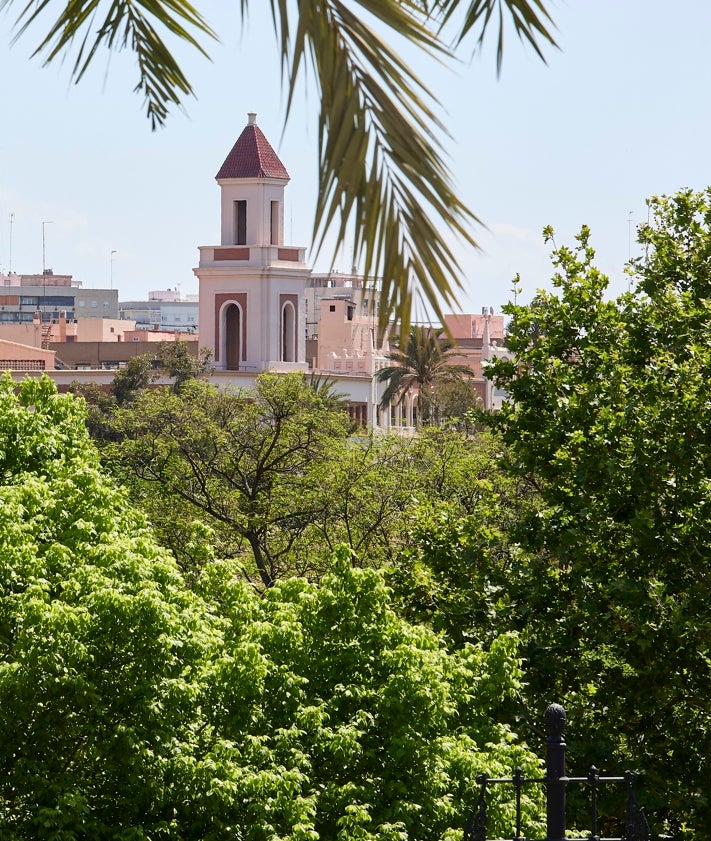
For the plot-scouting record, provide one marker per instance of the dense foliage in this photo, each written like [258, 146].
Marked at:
[276, 477]
[380, 731]
[138, 707]
[101, 646]
[610, 416]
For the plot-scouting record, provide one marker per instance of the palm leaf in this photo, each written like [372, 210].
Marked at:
[383, 177]
[420, 358]
[126, 24]
[531, 21]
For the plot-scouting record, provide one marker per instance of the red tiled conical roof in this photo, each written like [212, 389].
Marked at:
[252, 156]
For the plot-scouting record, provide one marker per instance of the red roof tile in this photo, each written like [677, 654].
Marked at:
[252, 157]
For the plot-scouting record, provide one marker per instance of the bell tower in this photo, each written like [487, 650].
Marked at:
[252, 303]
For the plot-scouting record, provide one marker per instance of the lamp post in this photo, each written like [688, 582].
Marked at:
[12, 216]
[44, 268]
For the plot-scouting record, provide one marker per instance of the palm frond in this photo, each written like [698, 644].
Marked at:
[381, 164]
[383, 176]
[325, 387]
[126, 24]
[531, 21]
[420, 358]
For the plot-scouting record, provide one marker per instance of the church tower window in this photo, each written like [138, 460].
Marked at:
[274, 224]
[288, 333]
[233, 337]
[241, 222]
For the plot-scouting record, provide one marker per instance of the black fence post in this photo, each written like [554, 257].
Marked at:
[555, 773]
[556, 781]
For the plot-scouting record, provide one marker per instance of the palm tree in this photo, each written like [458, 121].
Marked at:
[381, 161]
[422, 361]
[325, 388]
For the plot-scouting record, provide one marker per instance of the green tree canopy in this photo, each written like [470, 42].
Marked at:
[609, 415]
[272, 477]
[180, 364]
[101, 644]
[136, 707]
[244, 462]
[348, 722]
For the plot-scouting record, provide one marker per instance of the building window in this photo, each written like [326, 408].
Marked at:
[82, 303]
[94, 305]
[274, 224]
[22, 364]
[331, 307]
[105, 305]
[232, 337]
[288, 333]
[241, 222]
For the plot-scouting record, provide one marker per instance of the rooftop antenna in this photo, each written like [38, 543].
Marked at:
[629, 246]
[44, 249]
[111, 269]
[12, 216]
[629, 234]
[44, 268]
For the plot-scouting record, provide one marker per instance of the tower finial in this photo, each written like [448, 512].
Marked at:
[252, 118]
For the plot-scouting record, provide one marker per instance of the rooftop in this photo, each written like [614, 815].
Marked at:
[252, 156]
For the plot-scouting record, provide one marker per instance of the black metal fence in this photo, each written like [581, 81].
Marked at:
[556, 781]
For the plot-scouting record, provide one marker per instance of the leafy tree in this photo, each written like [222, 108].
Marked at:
[135, 707]
[241, 472]
[421, 361]
[100, 405]
[179, 363]
[101, 645]
[367, 496]
[348, 722]
[242, 461]
[457, 402]
[133, 379]
[609, 415]
[391, 184]
[462, 568]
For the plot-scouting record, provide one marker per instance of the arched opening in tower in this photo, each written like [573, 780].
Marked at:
[288, 333]
[233, 337]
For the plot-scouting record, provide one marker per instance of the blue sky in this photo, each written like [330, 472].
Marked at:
[620, 112]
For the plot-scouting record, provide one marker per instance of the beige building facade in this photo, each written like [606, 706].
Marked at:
[251, 285]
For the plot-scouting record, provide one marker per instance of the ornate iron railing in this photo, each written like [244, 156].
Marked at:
[555, 781]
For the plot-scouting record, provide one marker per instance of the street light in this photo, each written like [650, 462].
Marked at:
[44, 249]
[12, 216]
[44, 269]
